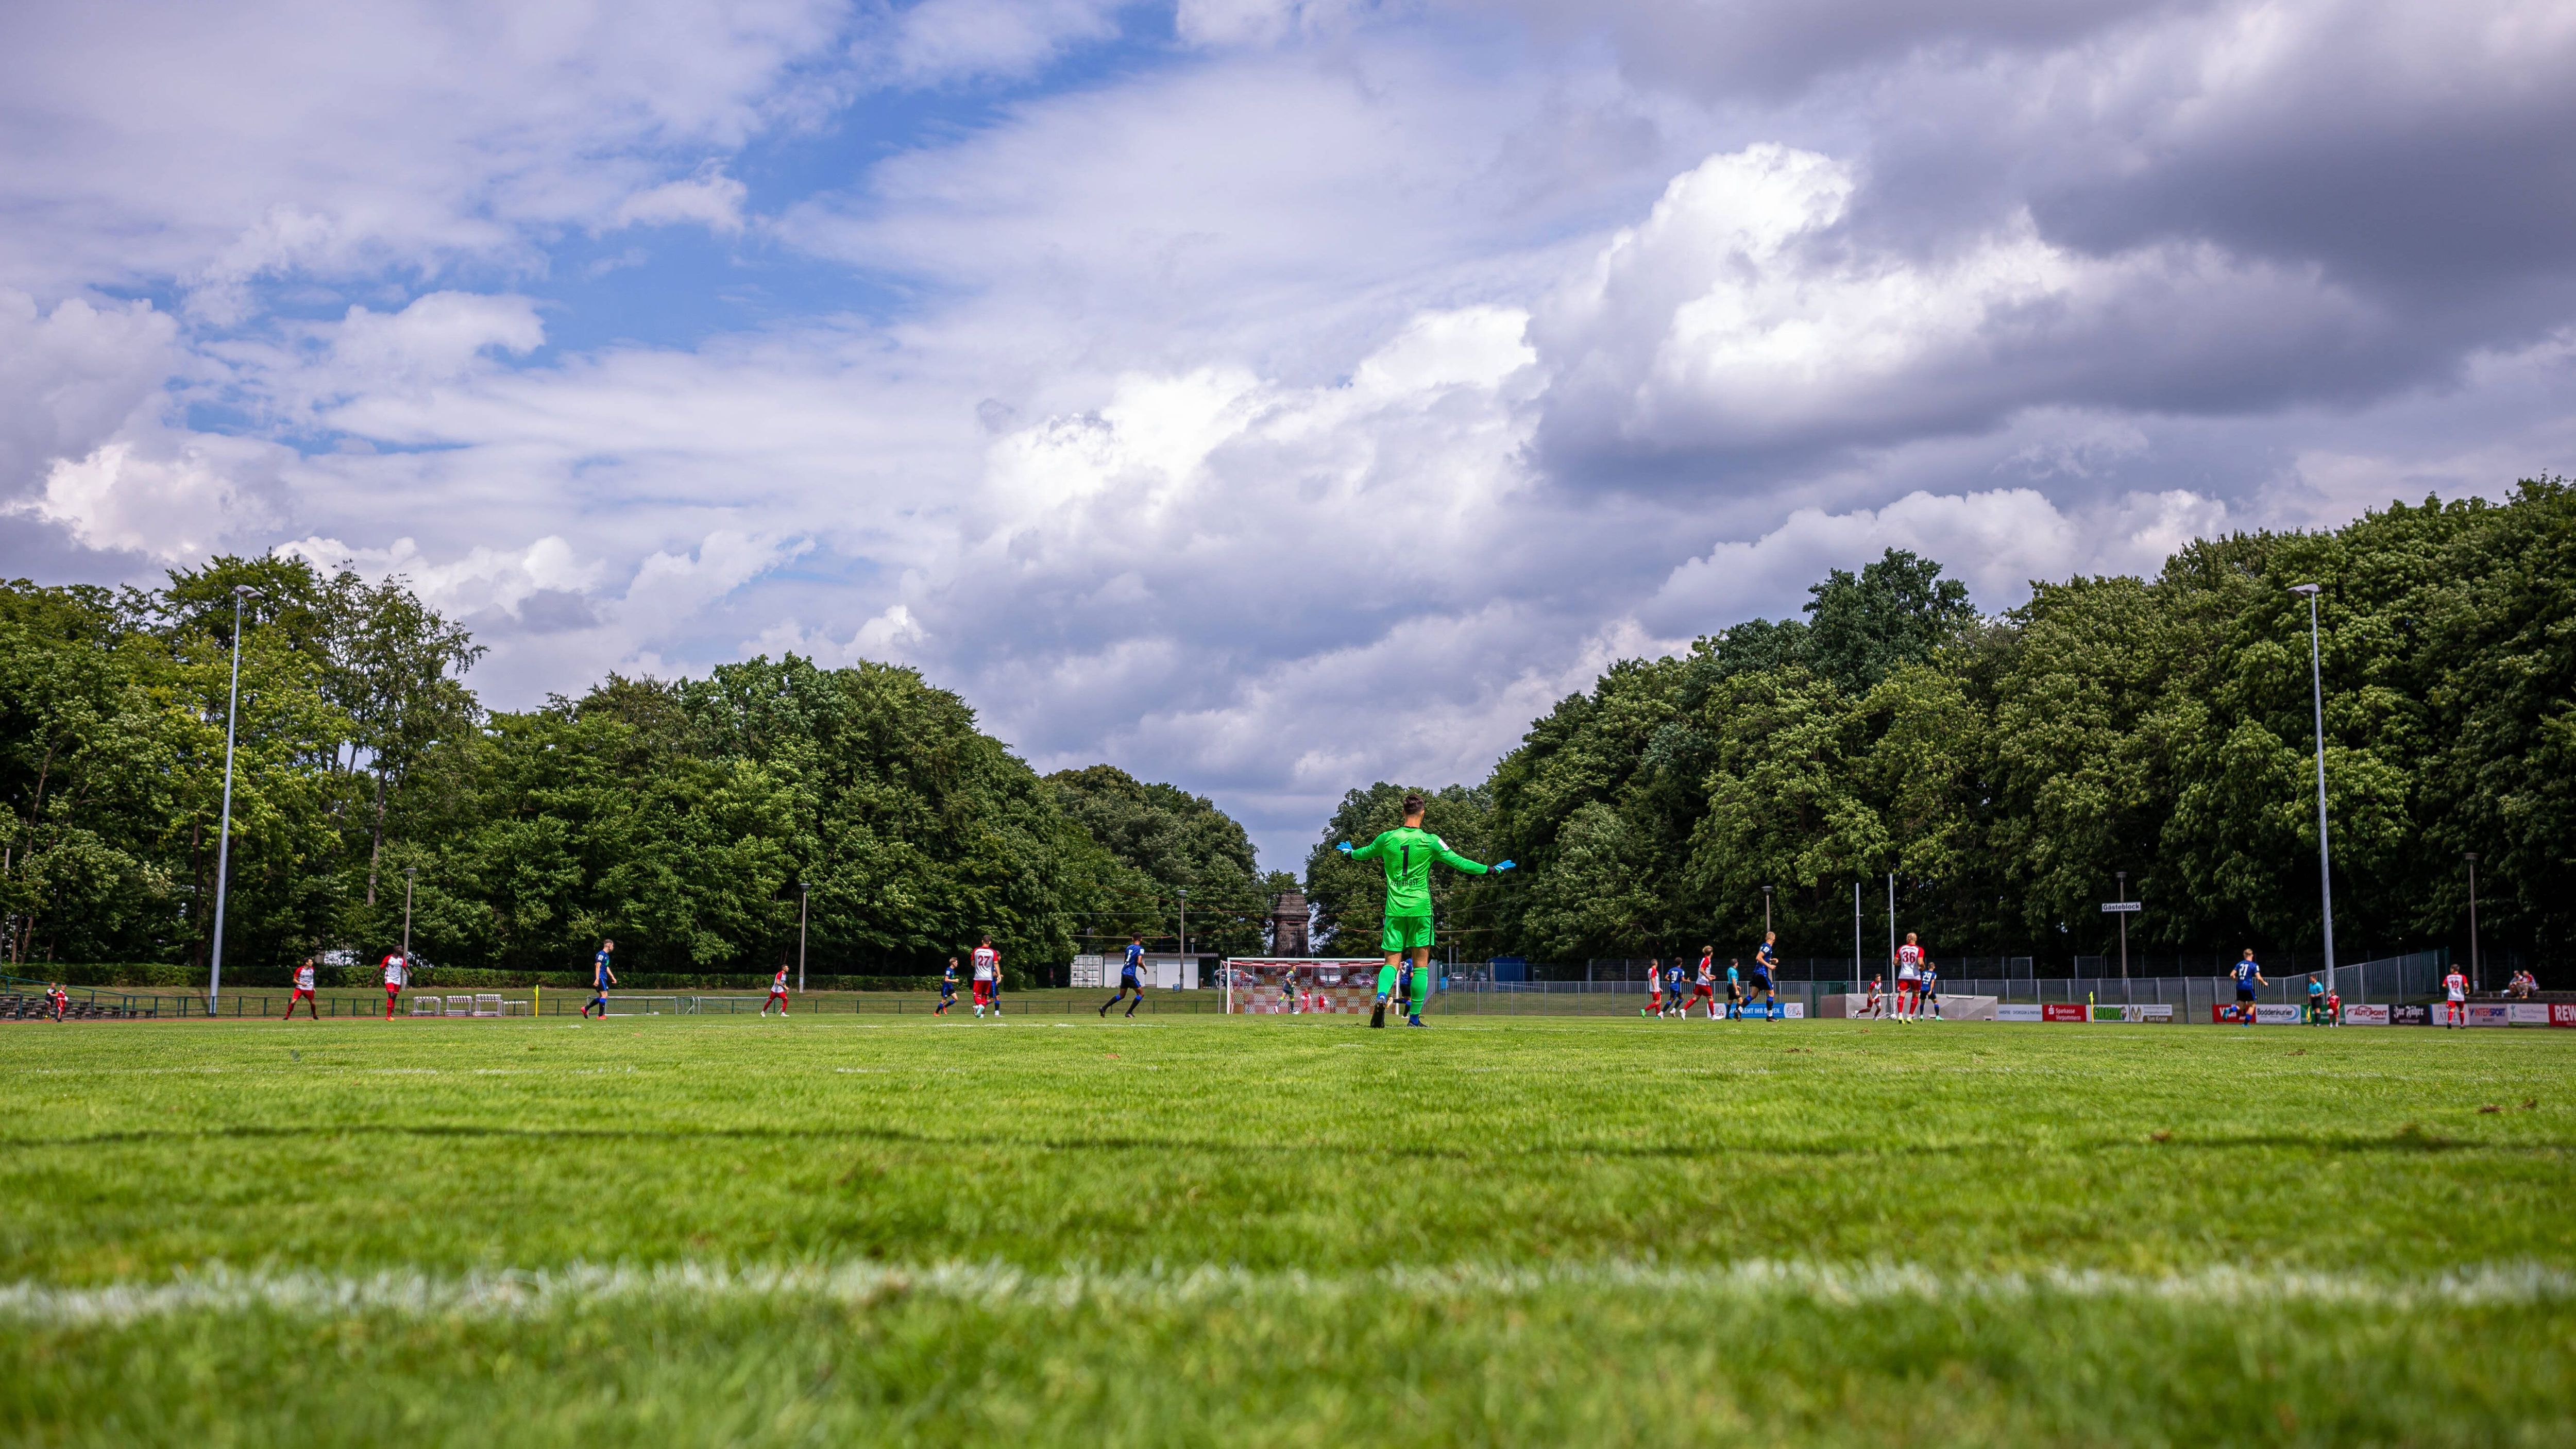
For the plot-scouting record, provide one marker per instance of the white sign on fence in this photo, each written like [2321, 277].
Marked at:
[2017, 1011]
[2356, 1014]
[2115, 907]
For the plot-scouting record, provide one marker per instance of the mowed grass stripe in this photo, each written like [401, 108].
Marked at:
[136, 1151]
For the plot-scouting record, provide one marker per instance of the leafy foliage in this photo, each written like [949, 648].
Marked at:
[691, 820]
[2004, 769]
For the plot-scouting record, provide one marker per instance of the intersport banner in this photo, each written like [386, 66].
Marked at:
[2356, 1014]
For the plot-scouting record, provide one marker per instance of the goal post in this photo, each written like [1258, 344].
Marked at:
[1299, 985]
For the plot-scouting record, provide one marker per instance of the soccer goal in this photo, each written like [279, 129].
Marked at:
[1299, 986]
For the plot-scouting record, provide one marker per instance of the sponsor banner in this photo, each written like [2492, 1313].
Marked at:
[2410, 1014]
[2266, 1013]
[2026, 1011]
[2488, 1013]
[2061, 1011]
[2356, 1014]
[2161, 1012]
[2562, 1013]
[2102, 1013]
[1794, 1010]
[2526, 1013]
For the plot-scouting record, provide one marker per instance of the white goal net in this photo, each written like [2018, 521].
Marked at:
[1297, 986]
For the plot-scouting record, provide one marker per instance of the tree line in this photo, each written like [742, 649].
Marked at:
[696, 821]
[2005, 769]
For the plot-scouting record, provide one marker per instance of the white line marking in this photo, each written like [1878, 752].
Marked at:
[530, 1294]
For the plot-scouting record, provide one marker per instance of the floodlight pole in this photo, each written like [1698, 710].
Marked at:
[1766, 910]
[2317, 702]
[1891, 916]
[224, 832]
[2124, 933]
[2472, 857]
[1185, 929]
[1855, 935]
[411, 873]
[801, 892]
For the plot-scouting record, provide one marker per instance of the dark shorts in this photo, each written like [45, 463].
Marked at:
[2244, 993]
[948, 991]
[1127, 982]
[1761, 982]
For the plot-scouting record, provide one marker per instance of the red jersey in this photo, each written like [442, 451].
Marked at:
[778, 983]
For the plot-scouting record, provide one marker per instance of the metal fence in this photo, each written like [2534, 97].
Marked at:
[2414, 976]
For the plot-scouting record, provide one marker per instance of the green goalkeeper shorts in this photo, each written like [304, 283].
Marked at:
[1406, 933]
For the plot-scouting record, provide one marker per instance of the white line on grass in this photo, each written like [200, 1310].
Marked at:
[538, 1293]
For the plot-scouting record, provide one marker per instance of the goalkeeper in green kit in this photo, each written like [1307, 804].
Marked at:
[1407, 853]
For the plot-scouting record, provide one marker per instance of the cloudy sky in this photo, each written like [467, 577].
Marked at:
[1268, 397]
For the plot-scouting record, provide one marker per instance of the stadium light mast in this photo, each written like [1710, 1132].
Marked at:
[1855, 935]
[1891, 916]
[2472, 858]
[2124, 933]
[801, 891]
[411, 874]
[1766, 910]
[1185, 928]
[224, 831]
[2317, 703]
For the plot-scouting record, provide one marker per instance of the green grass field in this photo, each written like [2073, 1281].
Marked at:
[1199, 1230]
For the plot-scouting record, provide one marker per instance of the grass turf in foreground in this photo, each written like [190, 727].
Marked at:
[1312, 1170]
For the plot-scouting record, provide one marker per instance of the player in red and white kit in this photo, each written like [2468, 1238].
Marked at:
[57, 998]
[777, 992]
[397, 976]
[303, 991]
[988, 978]
[1654, 989]
[1706, 986]
[2455, 1011]
[1909, 979]
[1878, 996]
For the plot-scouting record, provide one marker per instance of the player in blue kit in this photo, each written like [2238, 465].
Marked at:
[1130, 978]
[947, 989]
[1766, 959]
[2248, 976]
[601, 978]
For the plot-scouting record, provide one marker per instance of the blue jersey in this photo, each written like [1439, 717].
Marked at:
[2246, 971]
[1135, 961]
[599, 971]
[1763, 959]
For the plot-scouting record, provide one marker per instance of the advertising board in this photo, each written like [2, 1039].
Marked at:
[2062, 1011]
[2356, 1014]
[2266, 1013]
[2162, 1011]
[2526, 1013]
[2562, 1013]
[2488, 1013]
[2018, 1011]
[2410, 1014]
